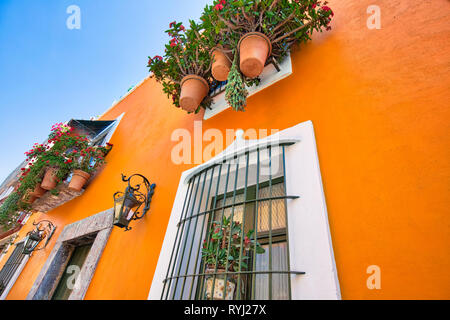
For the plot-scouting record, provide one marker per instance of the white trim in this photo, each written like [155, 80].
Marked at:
[6, 193]
[269, 76]
[16, 275]
[238, 148]
[114, 128]
[310, 244]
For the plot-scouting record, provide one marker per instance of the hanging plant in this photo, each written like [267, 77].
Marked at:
[186, 65]
[283, 22]
[235, 92]
[255, 30]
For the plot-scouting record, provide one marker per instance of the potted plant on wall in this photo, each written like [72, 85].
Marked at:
[89, 160]
[185, 69]
[63, 145]
[268, 28]
[258, 30]
[47, 165]
[226, 249]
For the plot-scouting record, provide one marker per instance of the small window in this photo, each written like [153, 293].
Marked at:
[71, 272]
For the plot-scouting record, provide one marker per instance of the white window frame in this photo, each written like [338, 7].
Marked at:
[311, 248]
[109, 130]
[269, 76]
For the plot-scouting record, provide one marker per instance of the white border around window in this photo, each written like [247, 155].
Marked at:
[311, 247]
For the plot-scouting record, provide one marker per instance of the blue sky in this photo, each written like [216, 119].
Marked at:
[49, 73]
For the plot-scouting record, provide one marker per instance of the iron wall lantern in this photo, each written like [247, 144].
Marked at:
[44, 230]
[127, 204]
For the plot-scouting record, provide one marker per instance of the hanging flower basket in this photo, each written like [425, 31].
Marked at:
[221, 65]
[193, 90]
[79, 179]
[50, 179]
[254, 49]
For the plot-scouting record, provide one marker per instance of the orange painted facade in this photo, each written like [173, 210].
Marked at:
[379, 102]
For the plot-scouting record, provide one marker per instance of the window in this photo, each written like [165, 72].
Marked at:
[248, 192]
[69, 268]
[272, 186]
[69, 277]
[12, 269]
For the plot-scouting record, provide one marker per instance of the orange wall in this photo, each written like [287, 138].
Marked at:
[379, 103]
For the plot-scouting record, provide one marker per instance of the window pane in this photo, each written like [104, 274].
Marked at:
[278, 208]
[71, 273]
[280, 289]
[238, 210]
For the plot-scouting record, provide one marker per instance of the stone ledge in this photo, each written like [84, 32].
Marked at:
[49, 202]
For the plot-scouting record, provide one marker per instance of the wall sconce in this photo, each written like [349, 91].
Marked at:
[44, 229]
[128, 203]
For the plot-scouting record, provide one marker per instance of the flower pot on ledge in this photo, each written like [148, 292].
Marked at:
[254, 49]
[193, 90]
[29, 198]
[79, 179]
[50, 179]
[221, 66]
[219, 284]
[38, 191]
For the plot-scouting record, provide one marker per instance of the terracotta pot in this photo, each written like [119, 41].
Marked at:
[29, 198]
[254, 49]
[193, 90]
[219, 283]
[221, 65]
[50, 180]
[38, 191]
[79, 179]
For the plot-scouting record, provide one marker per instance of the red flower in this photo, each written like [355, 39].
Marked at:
[172, 24]
[220, 5]
[326, 9]
[246, 241]
[182, 28]
[173, 42]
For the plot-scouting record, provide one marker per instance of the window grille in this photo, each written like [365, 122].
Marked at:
[244, 200]
[11, 266]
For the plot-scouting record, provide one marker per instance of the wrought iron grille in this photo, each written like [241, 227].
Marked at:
[231, 210]
[11, 266]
